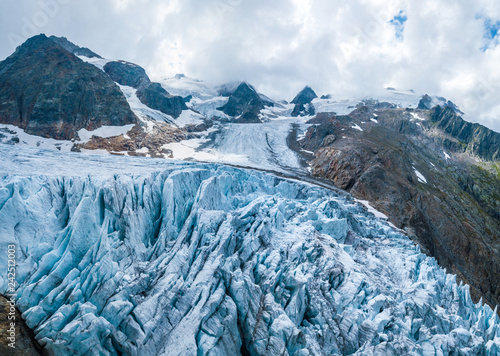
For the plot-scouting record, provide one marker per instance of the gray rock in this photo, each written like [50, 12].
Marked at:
[154, 96]
[126, 73]
[303, 104]
[49, 92]
[73, 48]
[245, 104]
[474, 138]
[305, 96]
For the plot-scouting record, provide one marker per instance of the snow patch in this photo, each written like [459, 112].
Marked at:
[143, 111]
[189, 117]
[104, 131]
[372, 210]
[417, 116]
[420, 176]
[13, 135]
[355, 126]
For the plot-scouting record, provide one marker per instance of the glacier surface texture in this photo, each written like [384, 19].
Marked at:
[205, 259]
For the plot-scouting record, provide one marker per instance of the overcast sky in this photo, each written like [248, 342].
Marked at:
[347, 48]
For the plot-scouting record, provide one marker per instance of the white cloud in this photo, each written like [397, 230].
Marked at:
[343, 48]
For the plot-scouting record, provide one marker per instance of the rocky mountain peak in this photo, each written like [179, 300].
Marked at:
[32, 44]
[305, 96]
[466, 136]
[126, 73]
[48, 91]
[425, 103]
[303, 104]
[244, 103]
[156, 97]
[71, 47]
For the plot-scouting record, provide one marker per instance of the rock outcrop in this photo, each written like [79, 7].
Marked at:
[302, 102]
[126, 73]
[245, 104]
[305, 96]
[24, 338]
[73, 48]
[156, 97]
[150, 94]
[425, 103]
[49, 92]
[473, 138]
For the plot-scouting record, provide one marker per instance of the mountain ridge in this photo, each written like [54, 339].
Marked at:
[49, 91]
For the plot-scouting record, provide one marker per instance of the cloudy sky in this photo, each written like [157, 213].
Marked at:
[347, 48]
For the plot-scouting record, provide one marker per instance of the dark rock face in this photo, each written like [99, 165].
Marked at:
[150, 94]
[303, 110]
[154, 96]
[26, 345]
[305, 96]
[453, 217]
[303, 104]
[425, 103]
[245, 104]
[126, 73]
[48, 91]
[473, 138]
[73, 48]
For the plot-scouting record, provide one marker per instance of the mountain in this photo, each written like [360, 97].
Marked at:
[189, 258]
[126, 73]
[71, 47]
[305, 96]
[156, 97]
[303, 99]
[48, 91]
[463, 136]
[151, 94]
[245, 104]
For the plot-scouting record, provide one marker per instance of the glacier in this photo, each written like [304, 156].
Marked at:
[120, 255]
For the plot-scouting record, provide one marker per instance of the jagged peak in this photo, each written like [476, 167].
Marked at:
[35, 42]
[230, 88]
[73, 48]
[305, 96]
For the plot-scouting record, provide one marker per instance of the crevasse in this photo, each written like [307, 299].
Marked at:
[203, 259]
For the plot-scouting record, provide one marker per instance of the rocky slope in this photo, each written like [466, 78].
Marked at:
[126, 73]
[463, 136]
[151, 94]
[395, 159]
[156, 97]
[71, 47]
[302, 102]
[245, 104]
[25, 343]
[50, 92]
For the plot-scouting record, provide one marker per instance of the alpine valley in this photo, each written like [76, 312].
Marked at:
[181, 218]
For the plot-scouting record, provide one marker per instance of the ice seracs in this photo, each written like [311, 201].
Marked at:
[191, 258]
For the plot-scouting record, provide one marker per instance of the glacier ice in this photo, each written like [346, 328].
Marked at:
[207, 259]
